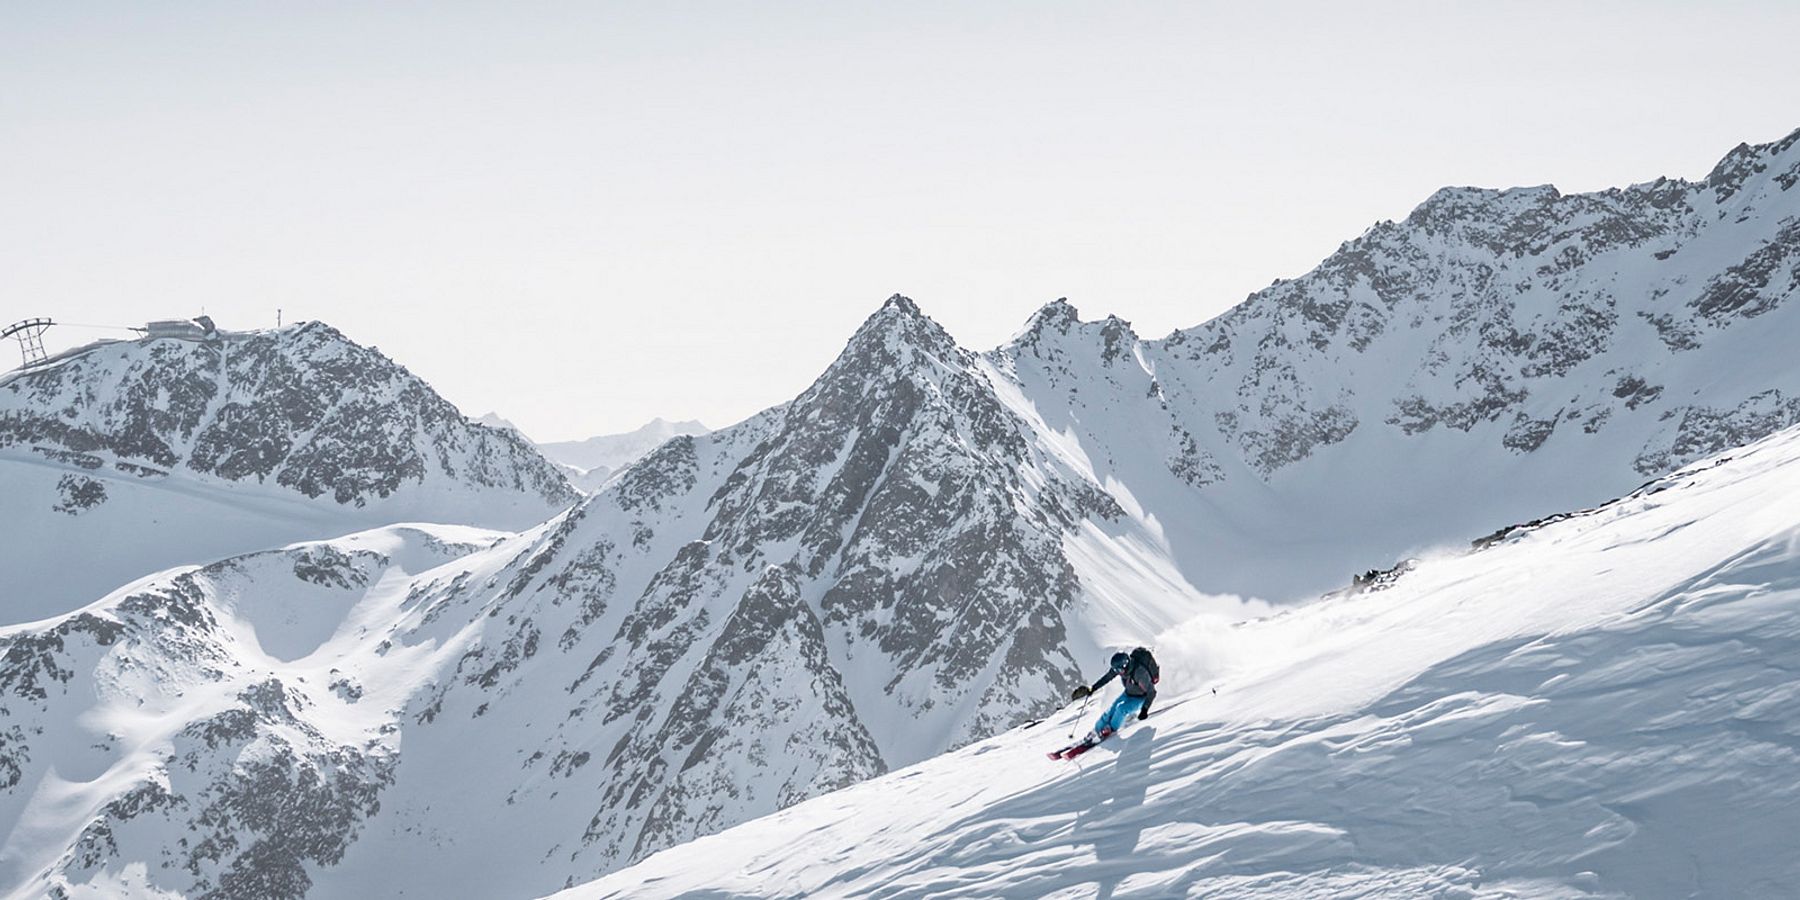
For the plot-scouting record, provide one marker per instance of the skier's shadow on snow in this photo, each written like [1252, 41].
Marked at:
[1104, 797]
[1108, 823]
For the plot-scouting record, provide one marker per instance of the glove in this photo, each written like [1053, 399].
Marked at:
[1080, 692]
[1143, 714]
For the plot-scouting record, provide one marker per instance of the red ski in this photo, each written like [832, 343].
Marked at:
[1080, 747]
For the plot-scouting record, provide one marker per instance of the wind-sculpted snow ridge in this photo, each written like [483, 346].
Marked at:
[1497, 354]
[1603, 705]
[138, 455]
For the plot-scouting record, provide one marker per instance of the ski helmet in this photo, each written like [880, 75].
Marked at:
[1120, 661]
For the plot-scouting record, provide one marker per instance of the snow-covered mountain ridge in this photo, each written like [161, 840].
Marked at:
[300, 407]
[137, 455]
[924, 548]
[1495, 355]
[1523, 308]
[1599, 706]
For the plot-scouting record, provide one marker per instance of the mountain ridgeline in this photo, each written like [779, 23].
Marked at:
[133, 456]
[927, 546]
[302, 408]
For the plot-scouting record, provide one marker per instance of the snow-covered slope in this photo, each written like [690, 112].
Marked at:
[594, 460]
[1599, 706]
[195, 732]
[921, 550]
[135, 456]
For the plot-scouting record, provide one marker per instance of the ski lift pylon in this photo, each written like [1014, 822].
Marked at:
[30, 335]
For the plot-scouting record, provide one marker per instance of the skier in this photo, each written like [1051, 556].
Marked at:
[1138, 673]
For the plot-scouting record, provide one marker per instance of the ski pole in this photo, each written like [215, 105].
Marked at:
[1078, 716]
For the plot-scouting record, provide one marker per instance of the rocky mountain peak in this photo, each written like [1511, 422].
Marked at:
[1472, 214]
[1117, 339]
[1056, 332]
[1519, 314]
[901, 304]
[1058, 315]
[899, 314]
[201, 448]
[896, 335]
[1746, 161]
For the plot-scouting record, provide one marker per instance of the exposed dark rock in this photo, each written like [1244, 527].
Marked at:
[324, 564]
[1528, 434]
[79, 494]
[1764, 280]
[1636, 391]
[1703, 431]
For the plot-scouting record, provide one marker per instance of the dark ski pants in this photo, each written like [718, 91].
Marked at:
[1114, 717]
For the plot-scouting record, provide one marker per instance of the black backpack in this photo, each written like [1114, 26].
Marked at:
[1141, 657]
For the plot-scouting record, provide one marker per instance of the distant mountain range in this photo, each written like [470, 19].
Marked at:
[594, 460]
[590, 462]
[926, 547]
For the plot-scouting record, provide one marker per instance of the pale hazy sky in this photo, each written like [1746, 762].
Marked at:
[584, 215]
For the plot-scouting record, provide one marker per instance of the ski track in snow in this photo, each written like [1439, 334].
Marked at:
[1602, 706]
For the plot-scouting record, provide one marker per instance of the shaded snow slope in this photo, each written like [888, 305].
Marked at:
[1599, 706]
[134, 456]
